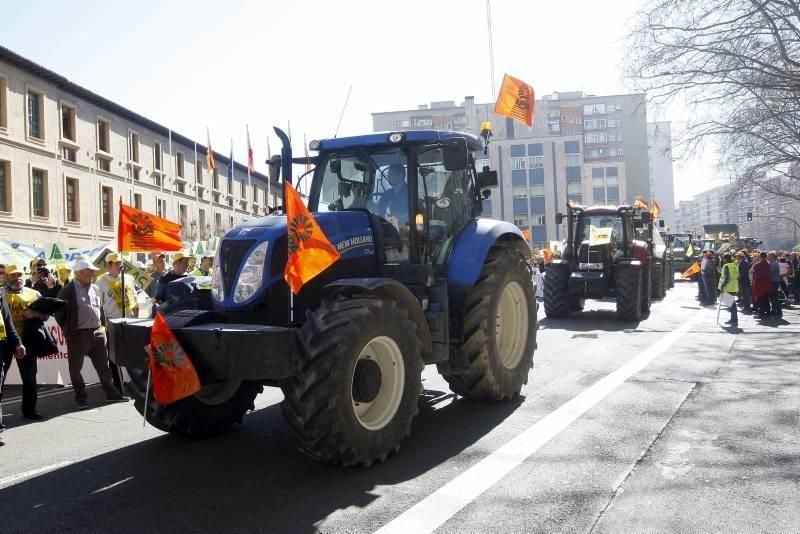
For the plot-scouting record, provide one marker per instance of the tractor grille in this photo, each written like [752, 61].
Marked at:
[232, 253]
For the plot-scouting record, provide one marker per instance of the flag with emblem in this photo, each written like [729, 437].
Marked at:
[174, 375]
[515, 100]
[640, 203]
[599, 236]
[310, 252]
[139, 231]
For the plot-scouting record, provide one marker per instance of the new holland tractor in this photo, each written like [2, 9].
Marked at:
[422, 279]
[623, 268]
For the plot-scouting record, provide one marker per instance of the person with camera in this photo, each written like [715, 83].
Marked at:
[45, 283]
[19, 298]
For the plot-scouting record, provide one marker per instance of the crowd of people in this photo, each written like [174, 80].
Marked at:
[756, 281]
[81, 302]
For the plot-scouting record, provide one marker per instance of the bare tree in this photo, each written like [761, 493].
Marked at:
[736, 64]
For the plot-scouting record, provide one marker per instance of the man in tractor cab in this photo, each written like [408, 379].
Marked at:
[394, 201]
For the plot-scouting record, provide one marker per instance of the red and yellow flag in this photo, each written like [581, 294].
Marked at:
[515, 100]
[174, 375]
[210, 154]
[640, 203]
[139, 231]
[655, 211]
[526, 234]
[310, 252]
[251, 163]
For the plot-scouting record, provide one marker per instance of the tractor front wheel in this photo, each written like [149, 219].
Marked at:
[629, 293]
[557, 302]
[499, 329]
[355, 396]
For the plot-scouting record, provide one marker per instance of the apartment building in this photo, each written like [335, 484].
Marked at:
[590, 149]
[67, 156]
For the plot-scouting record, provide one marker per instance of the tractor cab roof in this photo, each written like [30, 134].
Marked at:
[408, 137]
[604, 210]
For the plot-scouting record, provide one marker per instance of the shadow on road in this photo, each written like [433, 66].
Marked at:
[250, 480]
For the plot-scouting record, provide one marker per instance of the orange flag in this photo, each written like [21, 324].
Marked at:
[174, 375]
[655, 211]
[691, 271]
[515, 100]
[139, 231]
[310, 252]
[526, 234]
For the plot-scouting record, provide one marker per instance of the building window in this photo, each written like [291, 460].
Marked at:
[481, 163]
[68, 123]
[35, 115]
[202, 228]
[103, 136]
[180, 187]
[614, 123]
[595, 138]
[107, 201]
[572, 160]
[519, 192]
[39, 192]
[198, 171]
[537, 190]
[572, 147]
[518, 164]
[510, 128]
[3, 104]
[73, 200]
[243, 190]
[255, 194]
[535, 162]
[216, 180]
[594, 109]
[161, 208]
[599, 194]
[218, 221]
[573, 189]
[5, 187]
[553, 126]
[69, 154]
[133, 153]
[179, 164]
[182, 214]
[158, 154]
[104, 164]
[137, 201]
[230, 221]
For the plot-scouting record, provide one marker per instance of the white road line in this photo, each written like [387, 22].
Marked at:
[13, 479]
[114, 485]
[430, 513]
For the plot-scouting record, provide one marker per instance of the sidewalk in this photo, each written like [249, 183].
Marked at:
[730, 455]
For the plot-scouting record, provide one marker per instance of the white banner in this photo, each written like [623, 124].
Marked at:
[54, 369]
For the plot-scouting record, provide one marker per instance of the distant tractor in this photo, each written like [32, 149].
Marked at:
[422, 279]
[681, 244]
[623, 268]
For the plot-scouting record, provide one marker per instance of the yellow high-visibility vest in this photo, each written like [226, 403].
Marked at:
[18, 303]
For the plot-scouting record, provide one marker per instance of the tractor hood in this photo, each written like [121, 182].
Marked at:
[246, 266]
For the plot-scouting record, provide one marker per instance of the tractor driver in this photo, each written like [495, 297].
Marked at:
[393, 204]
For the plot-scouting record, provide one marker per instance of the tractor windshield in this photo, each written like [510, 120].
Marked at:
[681, 242]
[614, 222]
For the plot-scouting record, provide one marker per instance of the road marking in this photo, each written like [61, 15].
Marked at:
[13, 479]
[431, 512]
[115, 484]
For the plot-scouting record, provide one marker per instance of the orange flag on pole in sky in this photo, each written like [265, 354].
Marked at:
[310, 252]
[139, 231]
[174, 375]
[515, 100]
[209, 154]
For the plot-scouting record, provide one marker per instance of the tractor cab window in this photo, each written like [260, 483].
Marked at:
[614, 222]
[680, 242]
[444, 203]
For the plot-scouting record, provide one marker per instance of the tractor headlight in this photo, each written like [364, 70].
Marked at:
[252, 274]
[217, 288]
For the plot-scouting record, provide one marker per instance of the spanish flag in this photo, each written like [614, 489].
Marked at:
[209, 154]
[515, 100]
[139, 231]
[251, 164]
[640, 203]
[310, 252]
[174, 374]
[655, 211]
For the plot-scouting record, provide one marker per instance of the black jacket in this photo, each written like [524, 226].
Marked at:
[12, 340]
[37, 339]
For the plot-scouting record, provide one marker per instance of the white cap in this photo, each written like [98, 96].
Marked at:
[83, 264]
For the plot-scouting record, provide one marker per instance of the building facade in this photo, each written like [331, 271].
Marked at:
[659, 137]
[67, 156]
[588, 149]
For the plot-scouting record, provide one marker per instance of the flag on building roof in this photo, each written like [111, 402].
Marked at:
[251, 164]
[139, 231]
[515, 100]
[174, 374]
[209, 154]
[310, 252]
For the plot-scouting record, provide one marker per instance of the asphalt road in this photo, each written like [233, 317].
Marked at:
[672, 424]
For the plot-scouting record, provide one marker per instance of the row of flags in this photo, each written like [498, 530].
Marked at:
[251, 163]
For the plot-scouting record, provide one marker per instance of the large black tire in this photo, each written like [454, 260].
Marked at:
[647, 284]
[321, 401]
[556, 291]
[498, 373]
[657, 281]
[212, 410]
[670, 275]
[629, 293]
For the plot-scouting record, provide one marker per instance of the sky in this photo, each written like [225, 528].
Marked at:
[190, 65]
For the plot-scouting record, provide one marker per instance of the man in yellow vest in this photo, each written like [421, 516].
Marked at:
[729, 283]
[206, 264]
[18, 297]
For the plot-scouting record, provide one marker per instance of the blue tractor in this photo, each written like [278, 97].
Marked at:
[422, 279]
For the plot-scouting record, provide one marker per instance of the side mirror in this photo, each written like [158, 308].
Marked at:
[559, 218]
[336, 166]
[455, 156]
[661, 223]
[487, 178]
[646, 217]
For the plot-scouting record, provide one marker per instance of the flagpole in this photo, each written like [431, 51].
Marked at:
[269, 180]
[491, 46]
[249, 152]
[171, 177]
[346, 100]
[196, 192]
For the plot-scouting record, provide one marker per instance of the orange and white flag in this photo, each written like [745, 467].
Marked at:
[310, 252]
[174, 375]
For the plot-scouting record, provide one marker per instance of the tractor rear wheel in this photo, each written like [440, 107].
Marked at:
[657, 281]
[212, 410]
[647, 284]
[556, 291]
[670, 275]
[629, 293]
[499, 329]
[356, 394]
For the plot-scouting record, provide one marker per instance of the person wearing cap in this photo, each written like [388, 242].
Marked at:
[744, 281]
[761, 285]
[775, 279]
[19, 298]
[157, 269]
[10, 344]
[729, 283]
[180, 263]
[2, 277]
[708, 270]
[64, 273]
[35, 265]
[206, 264]
[82, 322]
[46, 284]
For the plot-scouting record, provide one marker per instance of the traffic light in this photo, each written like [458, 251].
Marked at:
[749, 216]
